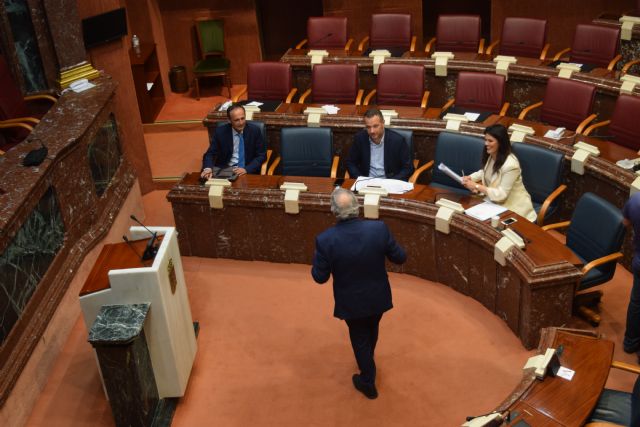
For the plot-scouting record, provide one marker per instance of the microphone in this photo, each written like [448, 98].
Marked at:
[151, 250]
[128, 242]
[321, 39]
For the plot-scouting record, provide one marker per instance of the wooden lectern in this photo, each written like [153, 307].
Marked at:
[120, 277]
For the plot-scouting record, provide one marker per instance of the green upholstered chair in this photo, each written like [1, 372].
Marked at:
[213, 62]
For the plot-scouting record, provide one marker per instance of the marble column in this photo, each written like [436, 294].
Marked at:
[66, 33]
[118, 338]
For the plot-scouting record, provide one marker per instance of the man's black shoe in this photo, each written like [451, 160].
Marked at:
[368, 390]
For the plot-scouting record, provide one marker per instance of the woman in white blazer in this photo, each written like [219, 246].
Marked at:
[501, 178]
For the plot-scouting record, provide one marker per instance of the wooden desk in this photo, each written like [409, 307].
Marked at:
[556, 401]
[534, 289]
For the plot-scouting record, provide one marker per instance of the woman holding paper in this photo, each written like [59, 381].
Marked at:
[501, 177]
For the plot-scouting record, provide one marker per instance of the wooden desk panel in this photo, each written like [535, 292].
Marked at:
[534, 290]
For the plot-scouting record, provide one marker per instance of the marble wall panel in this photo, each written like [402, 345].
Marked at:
[508, 286]
[482, 276]
[452, 261]
[104, 155]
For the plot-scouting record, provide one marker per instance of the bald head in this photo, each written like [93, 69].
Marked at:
[344, 204]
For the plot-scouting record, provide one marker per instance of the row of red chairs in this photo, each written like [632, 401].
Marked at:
[567, 103]
[596, 45]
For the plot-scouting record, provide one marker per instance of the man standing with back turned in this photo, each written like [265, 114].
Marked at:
[354, 252]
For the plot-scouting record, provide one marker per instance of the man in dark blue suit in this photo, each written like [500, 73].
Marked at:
[377, 153]
[354, 252]
[237, 146]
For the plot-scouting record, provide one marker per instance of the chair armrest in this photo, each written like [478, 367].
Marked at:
[601, 424]
[562, 52]
[302, 43]
[629, 65]
[291, 95]
[412, 48]
[416, 174]
[526, 110]
[334, 166]
[263, 168]
[347, 46]
[367, 99]
[556, 225]
[41, 96]
[585, 122]
[22, 120]
[425, 99]
[429, 45]
[304, 96]
[359, 96]
[237, 97]
[362, 43]
[5, 125]
[346, 174]
[602, 260]
[491, 46]
[448, 105]
[613, 62]
[504, 109]
[273, 166]
[626, 366]
[547, 202]
[545, 49]
[481, 46]
[595, 126]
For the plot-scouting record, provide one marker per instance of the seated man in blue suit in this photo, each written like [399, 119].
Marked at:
[237, 147]
[354, 252]
[377, 153]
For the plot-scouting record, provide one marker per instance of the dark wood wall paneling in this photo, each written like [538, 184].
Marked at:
[113, 58]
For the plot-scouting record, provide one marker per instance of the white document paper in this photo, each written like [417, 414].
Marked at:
[254, 104]
[451, 174]
[472, 116]
[331, 109]
[485, 210]
[566, 373]
[393, 186]
[224, 106]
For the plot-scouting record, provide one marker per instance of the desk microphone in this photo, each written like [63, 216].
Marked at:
[323, 38]
[151, 250]
[128, 242]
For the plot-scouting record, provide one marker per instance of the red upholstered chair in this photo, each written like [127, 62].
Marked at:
[567, 103]
[326, 32]
[521, 37]
[400, 84]
[624, 124]
[269, 81]
[390, 31]
[17, 119]
[595, 45]
[480, 92]
[457, 33]
[334, 83]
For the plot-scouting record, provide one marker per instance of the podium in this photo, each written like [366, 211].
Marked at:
[121, 277]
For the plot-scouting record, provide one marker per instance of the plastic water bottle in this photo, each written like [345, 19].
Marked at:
[135, 41]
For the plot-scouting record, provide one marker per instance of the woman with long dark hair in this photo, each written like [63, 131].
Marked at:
[501, 178]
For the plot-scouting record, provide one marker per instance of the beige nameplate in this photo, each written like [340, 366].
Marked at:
[292, 192]
[627, 26]
[454, 121]
[388, 115]
[379, 56]
[502, 64]
[314, 114]
[629, 83]
[442, 61]
[445, 213]
[317, 56]
[216, 190]
[249, 110]
[502, 248]
[372, 200]
[520, 132]
[566, 69]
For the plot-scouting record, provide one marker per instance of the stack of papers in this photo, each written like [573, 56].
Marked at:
[254, 104]
[472, 116]
[485, 210]
[331, 109]
[393, 186]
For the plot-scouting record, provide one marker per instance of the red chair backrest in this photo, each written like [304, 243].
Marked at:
[458, 33]
[390, 30]
[400, 84]
[523, 37]
[567, 102]
[482, 92]
[326, 32]
[269, 81]
[334, 83]
[625, 121]
[595, 44]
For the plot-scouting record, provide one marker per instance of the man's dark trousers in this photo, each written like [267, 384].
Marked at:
[363, 332]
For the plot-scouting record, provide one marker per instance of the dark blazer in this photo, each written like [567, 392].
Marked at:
[221, 148]
[354, 252]
[397, 158]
